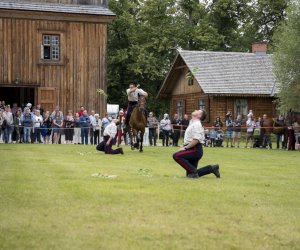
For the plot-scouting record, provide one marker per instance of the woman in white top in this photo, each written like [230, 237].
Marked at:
[165, 125]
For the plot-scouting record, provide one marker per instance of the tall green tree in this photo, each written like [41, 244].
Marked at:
[287, 60]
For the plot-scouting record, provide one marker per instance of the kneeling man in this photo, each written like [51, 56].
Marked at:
[189, 155]
[109, 134]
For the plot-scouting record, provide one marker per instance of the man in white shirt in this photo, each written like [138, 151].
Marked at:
[133, 93]
[109, 135]
[189, 155]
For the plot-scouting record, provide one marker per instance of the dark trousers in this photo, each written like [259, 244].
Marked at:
[108, 149]
[130, 107]
[37, 135]
[188, 159]
[176, 135]
[96, 136]
[166, 136]
[152, 136]
[85, 135]
[91, 135]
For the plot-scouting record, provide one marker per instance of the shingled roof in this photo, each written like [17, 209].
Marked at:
[230, 73]
[55, 7]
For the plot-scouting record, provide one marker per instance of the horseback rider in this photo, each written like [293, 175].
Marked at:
[133, 93]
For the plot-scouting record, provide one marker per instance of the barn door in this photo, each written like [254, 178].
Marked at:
[47, 97]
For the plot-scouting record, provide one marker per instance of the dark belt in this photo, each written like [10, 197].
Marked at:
[132, 102]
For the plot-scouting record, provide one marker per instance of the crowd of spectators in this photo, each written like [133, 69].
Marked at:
[32, 124]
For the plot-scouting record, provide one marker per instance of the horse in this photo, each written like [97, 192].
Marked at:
[280, 129]
[137, 124]
[266, 130]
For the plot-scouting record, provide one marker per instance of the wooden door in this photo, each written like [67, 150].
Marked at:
[47, 97]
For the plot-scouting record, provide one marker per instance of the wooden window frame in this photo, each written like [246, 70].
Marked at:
[62, 47]
[182, 107]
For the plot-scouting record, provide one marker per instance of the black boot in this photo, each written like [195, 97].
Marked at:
[208, 170]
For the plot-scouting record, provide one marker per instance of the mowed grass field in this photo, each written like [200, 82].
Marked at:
[73, 197]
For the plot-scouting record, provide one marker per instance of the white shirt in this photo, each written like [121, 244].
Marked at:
[37, 121]
[110, 130]
[194, 131]
[134, 96]
[165, 124]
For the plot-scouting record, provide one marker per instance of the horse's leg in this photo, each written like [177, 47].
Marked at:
[142, 138]
[131, 139]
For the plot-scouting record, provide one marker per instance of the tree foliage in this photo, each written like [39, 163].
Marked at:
[287, 60]
[145, 35]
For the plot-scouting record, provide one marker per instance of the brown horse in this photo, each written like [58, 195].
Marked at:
[280, 129]
[137, 124]
[266, 130]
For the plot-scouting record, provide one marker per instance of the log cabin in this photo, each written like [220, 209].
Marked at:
[221, 81]
[54, 52]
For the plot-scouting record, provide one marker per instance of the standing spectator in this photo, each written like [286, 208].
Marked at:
[165, 125]
[189, 155]
[77, 129]
[17, 126]
[96, 128]
[250, 130]
[212, 136]
[105, 122]
[266, 129]
[176, 128]
[38, 107]
[185, 123]
[37, 122]
[237, 128]
[85, 125]
[229, 127]
[279, 121]
[218, 124]
[46, 127]
[14, 108]
[109, 134]
[57, 124]
[9, 123]
[69, 127]
[27, 123]
[3, 123]
[291, 137]
[152, 124]
[80, 112]
[92, 118]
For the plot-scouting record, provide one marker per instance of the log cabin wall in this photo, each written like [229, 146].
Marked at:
[80, 71]
[219, 105]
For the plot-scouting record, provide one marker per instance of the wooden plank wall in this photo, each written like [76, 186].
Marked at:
[82, 69]
[219, 105]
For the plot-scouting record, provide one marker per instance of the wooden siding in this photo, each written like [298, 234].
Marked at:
[219, 105]
[182, 87]
[80, 72]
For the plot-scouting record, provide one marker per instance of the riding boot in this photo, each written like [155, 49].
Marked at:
[205, 170]
[208, 170]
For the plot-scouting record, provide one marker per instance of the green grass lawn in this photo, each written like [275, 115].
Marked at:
[73, 197]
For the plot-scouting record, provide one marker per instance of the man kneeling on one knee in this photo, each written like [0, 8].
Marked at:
[189, 155]
[109, 135]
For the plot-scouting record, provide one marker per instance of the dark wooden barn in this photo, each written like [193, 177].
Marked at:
[221, 81]
[53, 52]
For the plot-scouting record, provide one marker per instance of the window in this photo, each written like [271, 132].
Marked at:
[51, 47]
[201, 104]
[241, 108]
[180, 108]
